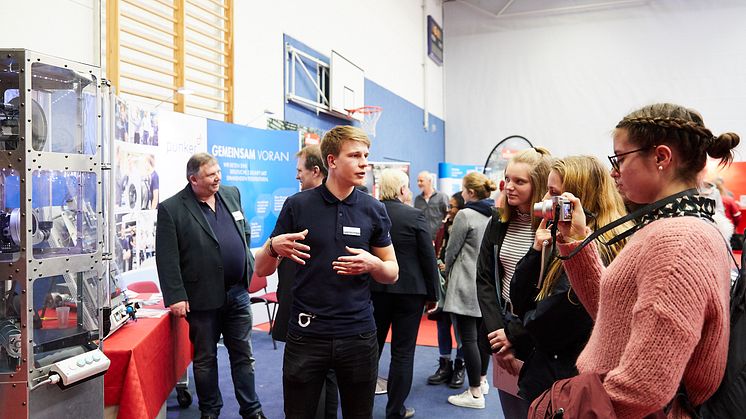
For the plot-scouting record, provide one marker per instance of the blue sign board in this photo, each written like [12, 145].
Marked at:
[261, 164]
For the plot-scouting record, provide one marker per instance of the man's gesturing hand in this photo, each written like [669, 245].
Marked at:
[286, 245]
[359, 263]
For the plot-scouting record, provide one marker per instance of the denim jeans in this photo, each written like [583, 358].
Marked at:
[233, 321]
[445, 344]
[306, 361]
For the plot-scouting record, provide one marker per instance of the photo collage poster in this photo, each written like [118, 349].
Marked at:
[145, 139]
[151, 150]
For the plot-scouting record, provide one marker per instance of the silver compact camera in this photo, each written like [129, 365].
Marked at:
[546, 209]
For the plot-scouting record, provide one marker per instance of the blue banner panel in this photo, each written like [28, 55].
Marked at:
[450, 176]
[261, 164]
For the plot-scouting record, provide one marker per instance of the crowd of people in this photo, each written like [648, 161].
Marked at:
[518, 282]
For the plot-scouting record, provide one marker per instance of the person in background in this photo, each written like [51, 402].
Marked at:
[204, 266]
[433, 203]
[461, 296]
[450, 372]
[339, 237]
[508, 237]
[399, 306]
[661, 308]
[732, 210]
[310, 173]
[153, 182]
[547, 307]
[126, 244]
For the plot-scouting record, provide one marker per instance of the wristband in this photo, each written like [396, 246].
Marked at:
[273, 252]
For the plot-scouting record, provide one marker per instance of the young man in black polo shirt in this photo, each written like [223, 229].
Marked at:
[340, 239]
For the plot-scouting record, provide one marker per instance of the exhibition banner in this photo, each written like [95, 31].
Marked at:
[261, 164]
[450, 176]
[151, 150]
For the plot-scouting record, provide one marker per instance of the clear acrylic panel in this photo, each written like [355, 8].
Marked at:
[10, 220]
[10, 323]
[66, 320]
[10, 107]
[64, 110]
[64, 211]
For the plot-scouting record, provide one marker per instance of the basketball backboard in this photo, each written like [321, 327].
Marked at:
[347, 86]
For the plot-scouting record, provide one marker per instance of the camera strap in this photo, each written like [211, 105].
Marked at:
[640, 212]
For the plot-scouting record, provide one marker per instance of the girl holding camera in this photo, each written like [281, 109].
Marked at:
[661, 307]
[542, 297]
[509, 235]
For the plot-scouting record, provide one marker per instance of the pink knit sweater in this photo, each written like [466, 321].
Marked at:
[661, 313]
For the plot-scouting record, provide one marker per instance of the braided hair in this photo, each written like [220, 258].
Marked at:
[682, 129]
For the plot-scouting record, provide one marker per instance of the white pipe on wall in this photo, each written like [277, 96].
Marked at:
[425, 111]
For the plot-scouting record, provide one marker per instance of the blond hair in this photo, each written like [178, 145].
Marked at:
[479, 184]
[332, 142]
[590, 181]
[538, 159]
[391, 182]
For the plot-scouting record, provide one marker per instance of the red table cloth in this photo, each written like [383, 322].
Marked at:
[148, 356]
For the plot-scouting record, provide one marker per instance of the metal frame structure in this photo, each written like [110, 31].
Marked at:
[23, 392]
[320, 79]
[294, 60]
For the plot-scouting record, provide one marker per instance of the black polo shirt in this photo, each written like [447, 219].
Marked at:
[232, 247]
[339, 304]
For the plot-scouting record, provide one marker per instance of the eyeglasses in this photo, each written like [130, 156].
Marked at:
[614, 160]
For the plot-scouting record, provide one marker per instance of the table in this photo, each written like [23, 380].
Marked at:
[147, 356]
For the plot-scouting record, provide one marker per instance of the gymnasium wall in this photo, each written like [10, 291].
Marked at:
[385, 38]
[565, 80]
[68, 29]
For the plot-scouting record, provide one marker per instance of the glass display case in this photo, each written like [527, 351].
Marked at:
[65, 316]
[51, 238]
[64, 210]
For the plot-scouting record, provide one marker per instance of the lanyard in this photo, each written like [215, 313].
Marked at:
[636, 214]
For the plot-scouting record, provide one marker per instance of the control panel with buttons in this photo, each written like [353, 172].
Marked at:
[82, 366]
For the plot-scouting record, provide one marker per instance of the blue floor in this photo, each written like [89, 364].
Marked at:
[428, 401]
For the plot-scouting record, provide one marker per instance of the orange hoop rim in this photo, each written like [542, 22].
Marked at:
[365, 110]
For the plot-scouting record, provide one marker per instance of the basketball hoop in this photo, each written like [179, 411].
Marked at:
[370, 114]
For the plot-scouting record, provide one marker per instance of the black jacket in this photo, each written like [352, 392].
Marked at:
[489, 285]
[558, 325]
[418, 269]
[188, 254]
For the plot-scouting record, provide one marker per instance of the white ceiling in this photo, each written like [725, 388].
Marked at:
[471, 17]
[501, 9]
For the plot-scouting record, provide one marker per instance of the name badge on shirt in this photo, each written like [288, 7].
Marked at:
[237, 215]
[351, 231]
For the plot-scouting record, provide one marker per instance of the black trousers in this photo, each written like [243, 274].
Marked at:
[308, 359]
[402, 313]
[474, 356]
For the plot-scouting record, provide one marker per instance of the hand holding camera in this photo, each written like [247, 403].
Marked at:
[543, 235]
[575, 228]
[567, 211]
[555, 207]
